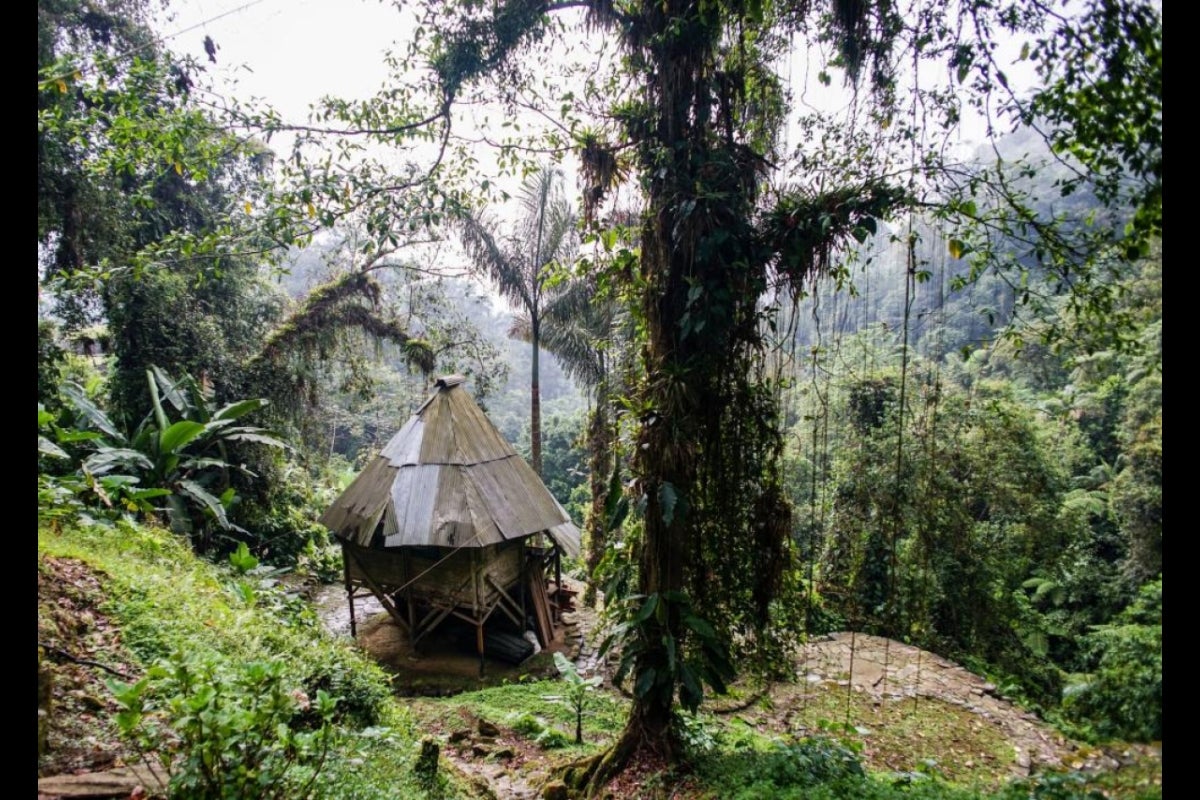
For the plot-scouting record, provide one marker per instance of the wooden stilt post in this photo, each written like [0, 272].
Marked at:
[479, 644]
[349, 592]
[408, 600]
[522, 582]
[558, 591]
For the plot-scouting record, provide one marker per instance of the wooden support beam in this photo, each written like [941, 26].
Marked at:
[557, 578]
[470, 619]
[511, 609]
[349, 590]
[479, 644]
[426, 625]
[384, 598]
[541, 611]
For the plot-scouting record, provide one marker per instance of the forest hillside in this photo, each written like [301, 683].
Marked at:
[751, 398]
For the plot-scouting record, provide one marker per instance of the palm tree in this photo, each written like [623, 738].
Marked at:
[590, 336]
[519, 266]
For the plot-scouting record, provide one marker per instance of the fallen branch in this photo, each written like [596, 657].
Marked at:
[87, 662]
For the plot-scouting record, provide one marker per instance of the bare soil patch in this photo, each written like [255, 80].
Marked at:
[446, 662]
[74, 639]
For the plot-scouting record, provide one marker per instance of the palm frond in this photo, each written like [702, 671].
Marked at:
[505, 269]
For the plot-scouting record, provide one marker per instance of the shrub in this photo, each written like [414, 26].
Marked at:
[1123, 697]
[227, 732]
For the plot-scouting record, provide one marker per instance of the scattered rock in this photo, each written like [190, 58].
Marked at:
[1021, 759]
[555, 790]
[44, 695]
[122, 782]
[921, 673]
[486, 728]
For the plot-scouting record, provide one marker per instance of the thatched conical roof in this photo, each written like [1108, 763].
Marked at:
[449, 479]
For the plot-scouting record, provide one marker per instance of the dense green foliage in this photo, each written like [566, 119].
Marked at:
[238, 733]
[961, 448]
[178, 459]
[208, 626]
[1123, 698]
[994, 507]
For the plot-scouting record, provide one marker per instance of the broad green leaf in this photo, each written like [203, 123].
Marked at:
[77, 436]
[49, 448]
[198, 493]
[117, 481]
[721, 668]
[149, 494]
[238, 435]
[179, 435]
[160, 416]
[204, 463]
[614, 522]
[89, 409]
[690, 690]
[645, 682]
[647, 609]
[660, 613]
[614, 493]
[243, 561]
[700, 626]
[170, 389]
[239, 409]
[109, 458]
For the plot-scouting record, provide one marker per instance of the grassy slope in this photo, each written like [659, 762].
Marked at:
[156, 598]
[128, 595]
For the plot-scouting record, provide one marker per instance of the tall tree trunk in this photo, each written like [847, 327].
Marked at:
[600, 458]
[535, 399]
[666, 445]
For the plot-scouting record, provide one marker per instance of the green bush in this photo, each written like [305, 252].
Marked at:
[526, 724]
[225, 731]
[810, 761]
[782, 770]
[1050, 786]
[1122, 698]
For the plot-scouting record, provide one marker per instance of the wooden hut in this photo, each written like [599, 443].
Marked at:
[449, 521]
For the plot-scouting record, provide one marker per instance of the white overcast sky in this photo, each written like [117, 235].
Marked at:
[290, 51]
